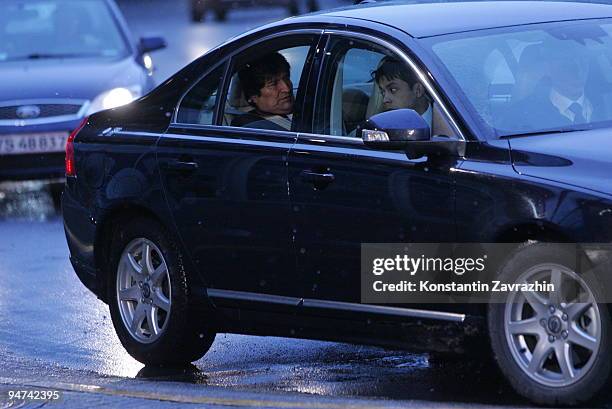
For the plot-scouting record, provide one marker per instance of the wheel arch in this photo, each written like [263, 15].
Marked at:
[109, 224]
[523, 232]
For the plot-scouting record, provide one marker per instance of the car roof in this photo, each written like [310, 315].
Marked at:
[437, 18]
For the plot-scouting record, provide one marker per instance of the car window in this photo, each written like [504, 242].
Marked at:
[198, 106]
[264, 87]
[536, 78]
[362, 79]
[64, 28]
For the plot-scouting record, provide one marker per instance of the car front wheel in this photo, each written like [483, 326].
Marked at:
[553, 347]
[149, 297]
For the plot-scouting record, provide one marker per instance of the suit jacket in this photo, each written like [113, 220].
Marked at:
[254, 120]
[537, 112]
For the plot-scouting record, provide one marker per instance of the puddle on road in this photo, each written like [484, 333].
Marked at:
[32, 201]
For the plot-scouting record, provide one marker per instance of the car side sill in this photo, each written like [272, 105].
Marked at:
[336, 305]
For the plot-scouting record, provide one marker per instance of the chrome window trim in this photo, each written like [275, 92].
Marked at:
[228, 58]
[337, 305]
[424, 79]
[47, 120]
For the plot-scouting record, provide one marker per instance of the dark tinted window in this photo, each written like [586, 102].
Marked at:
[267, 83]
[198, 106]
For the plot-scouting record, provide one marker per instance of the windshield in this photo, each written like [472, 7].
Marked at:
[34, 29]
[537, 78]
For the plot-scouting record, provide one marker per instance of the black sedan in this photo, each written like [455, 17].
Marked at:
[61, 60]
[238, 195]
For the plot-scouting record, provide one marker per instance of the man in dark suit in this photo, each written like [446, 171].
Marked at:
[561, 98]
[268, 89]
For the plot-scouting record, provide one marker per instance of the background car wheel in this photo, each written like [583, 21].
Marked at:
[293, 8]
[554, 348]
[149, 297]
[313, 5]
[56, 190]
[198, 11]
[221, 13]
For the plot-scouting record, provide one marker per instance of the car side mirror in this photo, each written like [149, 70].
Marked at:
[405, 129]
[394, 129]
[149, 44]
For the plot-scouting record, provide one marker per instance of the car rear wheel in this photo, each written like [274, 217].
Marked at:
[198, 11]
[293, 8]
[553, 347]
[150, 300]
[313, 5]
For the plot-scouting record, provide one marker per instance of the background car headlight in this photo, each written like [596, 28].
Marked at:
[114, 98]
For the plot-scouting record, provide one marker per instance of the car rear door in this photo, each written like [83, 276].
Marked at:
[227, 187]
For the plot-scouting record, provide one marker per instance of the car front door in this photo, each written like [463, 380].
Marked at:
[344, 194]
[227, 186]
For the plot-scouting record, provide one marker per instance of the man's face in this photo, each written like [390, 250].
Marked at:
[569, 74]
[276, 96]
[397, 93]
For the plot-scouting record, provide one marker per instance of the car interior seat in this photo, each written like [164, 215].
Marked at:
[236, 103]
[354, 106]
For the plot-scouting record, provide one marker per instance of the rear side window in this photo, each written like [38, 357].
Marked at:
[198, 106]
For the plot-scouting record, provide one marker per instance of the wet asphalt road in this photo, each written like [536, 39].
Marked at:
[54, 334]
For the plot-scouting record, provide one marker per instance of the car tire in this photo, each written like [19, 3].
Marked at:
[293, 8]
[56, 190]
[198, 11]
[552, 351]
[220, 13]
[151, 306]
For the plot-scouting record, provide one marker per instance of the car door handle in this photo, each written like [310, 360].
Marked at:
[318, 179]
[182, 166]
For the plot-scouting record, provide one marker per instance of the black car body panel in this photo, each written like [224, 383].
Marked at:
[276, 255]
[426, 20]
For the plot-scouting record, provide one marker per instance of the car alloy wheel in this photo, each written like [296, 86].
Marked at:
[143, 290]
[554, 338]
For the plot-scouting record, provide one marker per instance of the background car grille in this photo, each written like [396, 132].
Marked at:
[46, 110]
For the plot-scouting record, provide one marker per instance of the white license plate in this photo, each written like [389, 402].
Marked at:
[17, 144]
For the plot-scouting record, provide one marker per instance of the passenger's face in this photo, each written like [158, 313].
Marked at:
[276, 97]
[569, 75]
[398, 94]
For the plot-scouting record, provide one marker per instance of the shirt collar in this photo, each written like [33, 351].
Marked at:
[562, 102]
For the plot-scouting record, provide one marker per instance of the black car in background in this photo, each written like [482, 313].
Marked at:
[220, 8]
[187, 226]
[61, 60]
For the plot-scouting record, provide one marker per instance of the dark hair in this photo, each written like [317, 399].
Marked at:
[254, 75]
[391, 68]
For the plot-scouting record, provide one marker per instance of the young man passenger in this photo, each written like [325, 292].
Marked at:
[401, 89]
[268, 89]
